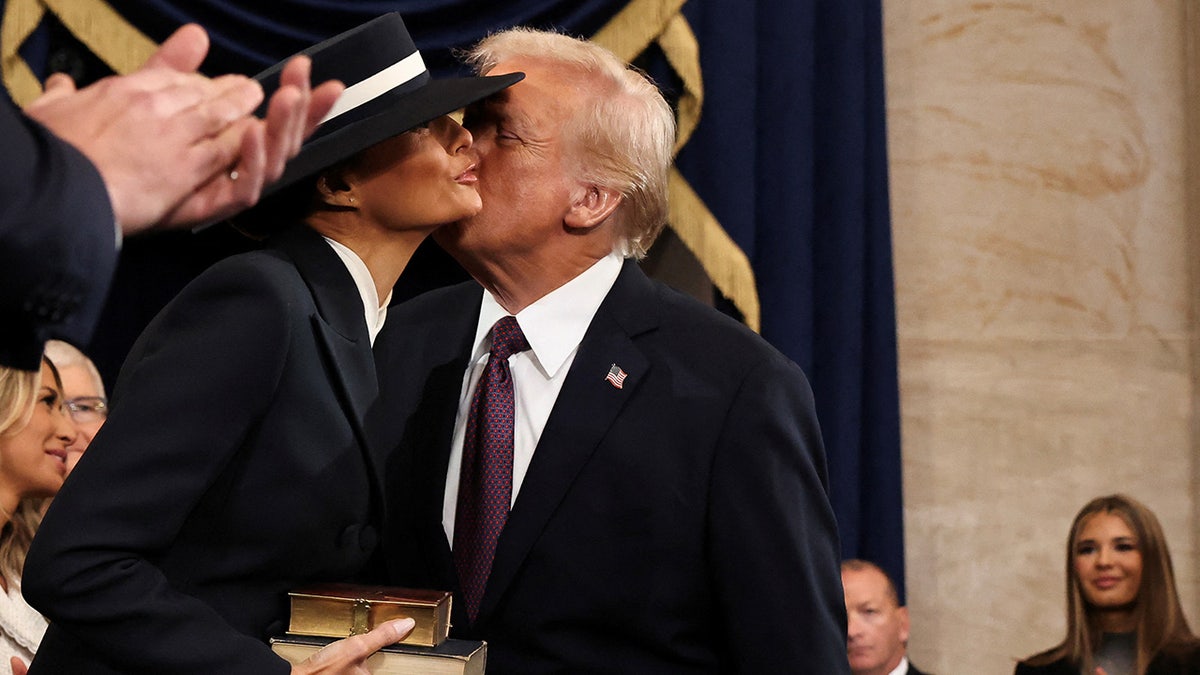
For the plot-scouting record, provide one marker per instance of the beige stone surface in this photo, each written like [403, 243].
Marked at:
[1046, 277]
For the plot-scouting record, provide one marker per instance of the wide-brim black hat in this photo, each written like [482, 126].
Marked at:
[388, 91]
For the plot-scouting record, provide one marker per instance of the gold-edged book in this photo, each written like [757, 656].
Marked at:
[341, 610]
[452, 657]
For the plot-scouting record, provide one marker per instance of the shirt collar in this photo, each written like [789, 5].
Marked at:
[374, 311]
[901, 668]
[555, 324]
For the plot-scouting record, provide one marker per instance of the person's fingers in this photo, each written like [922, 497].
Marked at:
[236, 97]
[57, 86]
[348, 655]
[321, 102]
[198, 109]
[250, 175]
[388, 633]
[18, 666]
[356, 649]
[298, 73]
[218, 153]
[184, 51]
[230, 189]
[284, 124]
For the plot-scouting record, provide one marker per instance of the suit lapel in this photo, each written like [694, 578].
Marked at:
[431, 335]
[341, 332]
[569, 438]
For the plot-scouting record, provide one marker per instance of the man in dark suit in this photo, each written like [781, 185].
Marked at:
[160, 147]
[663, 464]
[877, 635]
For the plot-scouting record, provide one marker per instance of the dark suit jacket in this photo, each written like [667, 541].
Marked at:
[1183, 660]
[57, 240]
[233, 468]
[912, 670]
[679, 524]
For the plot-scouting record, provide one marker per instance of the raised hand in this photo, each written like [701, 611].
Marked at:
[176, 148]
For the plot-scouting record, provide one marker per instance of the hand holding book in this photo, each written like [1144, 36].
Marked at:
[349, 655]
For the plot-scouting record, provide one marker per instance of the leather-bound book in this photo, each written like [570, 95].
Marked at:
[341, 610]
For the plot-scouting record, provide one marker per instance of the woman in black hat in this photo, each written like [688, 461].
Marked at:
[237, 461]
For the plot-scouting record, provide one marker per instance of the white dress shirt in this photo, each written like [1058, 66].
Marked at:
[901, 668]
[554, 327]
[374, 310]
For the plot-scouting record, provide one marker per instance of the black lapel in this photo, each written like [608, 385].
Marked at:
[570, 439]
[424, 352]
[341, 332]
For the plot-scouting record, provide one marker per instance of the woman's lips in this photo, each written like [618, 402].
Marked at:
[59, 453]
[467, 177]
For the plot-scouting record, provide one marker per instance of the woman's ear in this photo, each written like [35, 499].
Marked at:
[591, 207]
[335, 189]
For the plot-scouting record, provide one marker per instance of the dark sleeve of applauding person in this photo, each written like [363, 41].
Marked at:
[58, 244]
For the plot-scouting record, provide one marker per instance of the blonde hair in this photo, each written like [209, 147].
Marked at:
[626, 133]
[18, 395]
[1159, 616]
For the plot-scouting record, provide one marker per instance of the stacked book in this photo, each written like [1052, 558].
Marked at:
[324, 613]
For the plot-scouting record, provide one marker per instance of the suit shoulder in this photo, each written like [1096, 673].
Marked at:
[259, 273]
[258, 287]
[691, 324]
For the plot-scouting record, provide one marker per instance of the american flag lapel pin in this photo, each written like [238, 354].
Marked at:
[616, 376]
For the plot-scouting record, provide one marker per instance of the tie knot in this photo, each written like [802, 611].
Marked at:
[507, 338]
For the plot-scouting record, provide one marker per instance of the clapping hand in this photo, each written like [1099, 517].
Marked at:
[176, 148]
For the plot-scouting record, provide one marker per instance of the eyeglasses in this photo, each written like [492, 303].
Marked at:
[87, 408]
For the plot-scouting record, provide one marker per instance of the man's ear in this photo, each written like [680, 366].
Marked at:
[336, 190]
[591, 206]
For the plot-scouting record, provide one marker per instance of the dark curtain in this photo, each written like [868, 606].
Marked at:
[789, 155]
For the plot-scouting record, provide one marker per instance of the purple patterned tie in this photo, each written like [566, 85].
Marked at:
[485, 484]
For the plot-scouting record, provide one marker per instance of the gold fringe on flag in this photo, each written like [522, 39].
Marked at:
[21, 17]
[93, 22]
[628, 34]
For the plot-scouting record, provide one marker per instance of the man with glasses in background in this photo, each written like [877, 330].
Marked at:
[83, 392]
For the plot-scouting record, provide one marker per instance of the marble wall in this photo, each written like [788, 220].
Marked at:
[1047, 274]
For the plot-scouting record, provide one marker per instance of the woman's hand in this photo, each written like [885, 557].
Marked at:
[18, 666]
[346, 657]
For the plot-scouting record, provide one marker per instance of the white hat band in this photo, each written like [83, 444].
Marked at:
[377, 85]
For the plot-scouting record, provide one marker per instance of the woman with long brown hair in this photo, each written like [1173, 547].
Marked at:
[1123, 611]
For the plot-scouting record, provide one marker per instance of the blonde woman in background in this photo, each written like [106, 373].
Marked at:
[1123, 611]
[34, 435]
